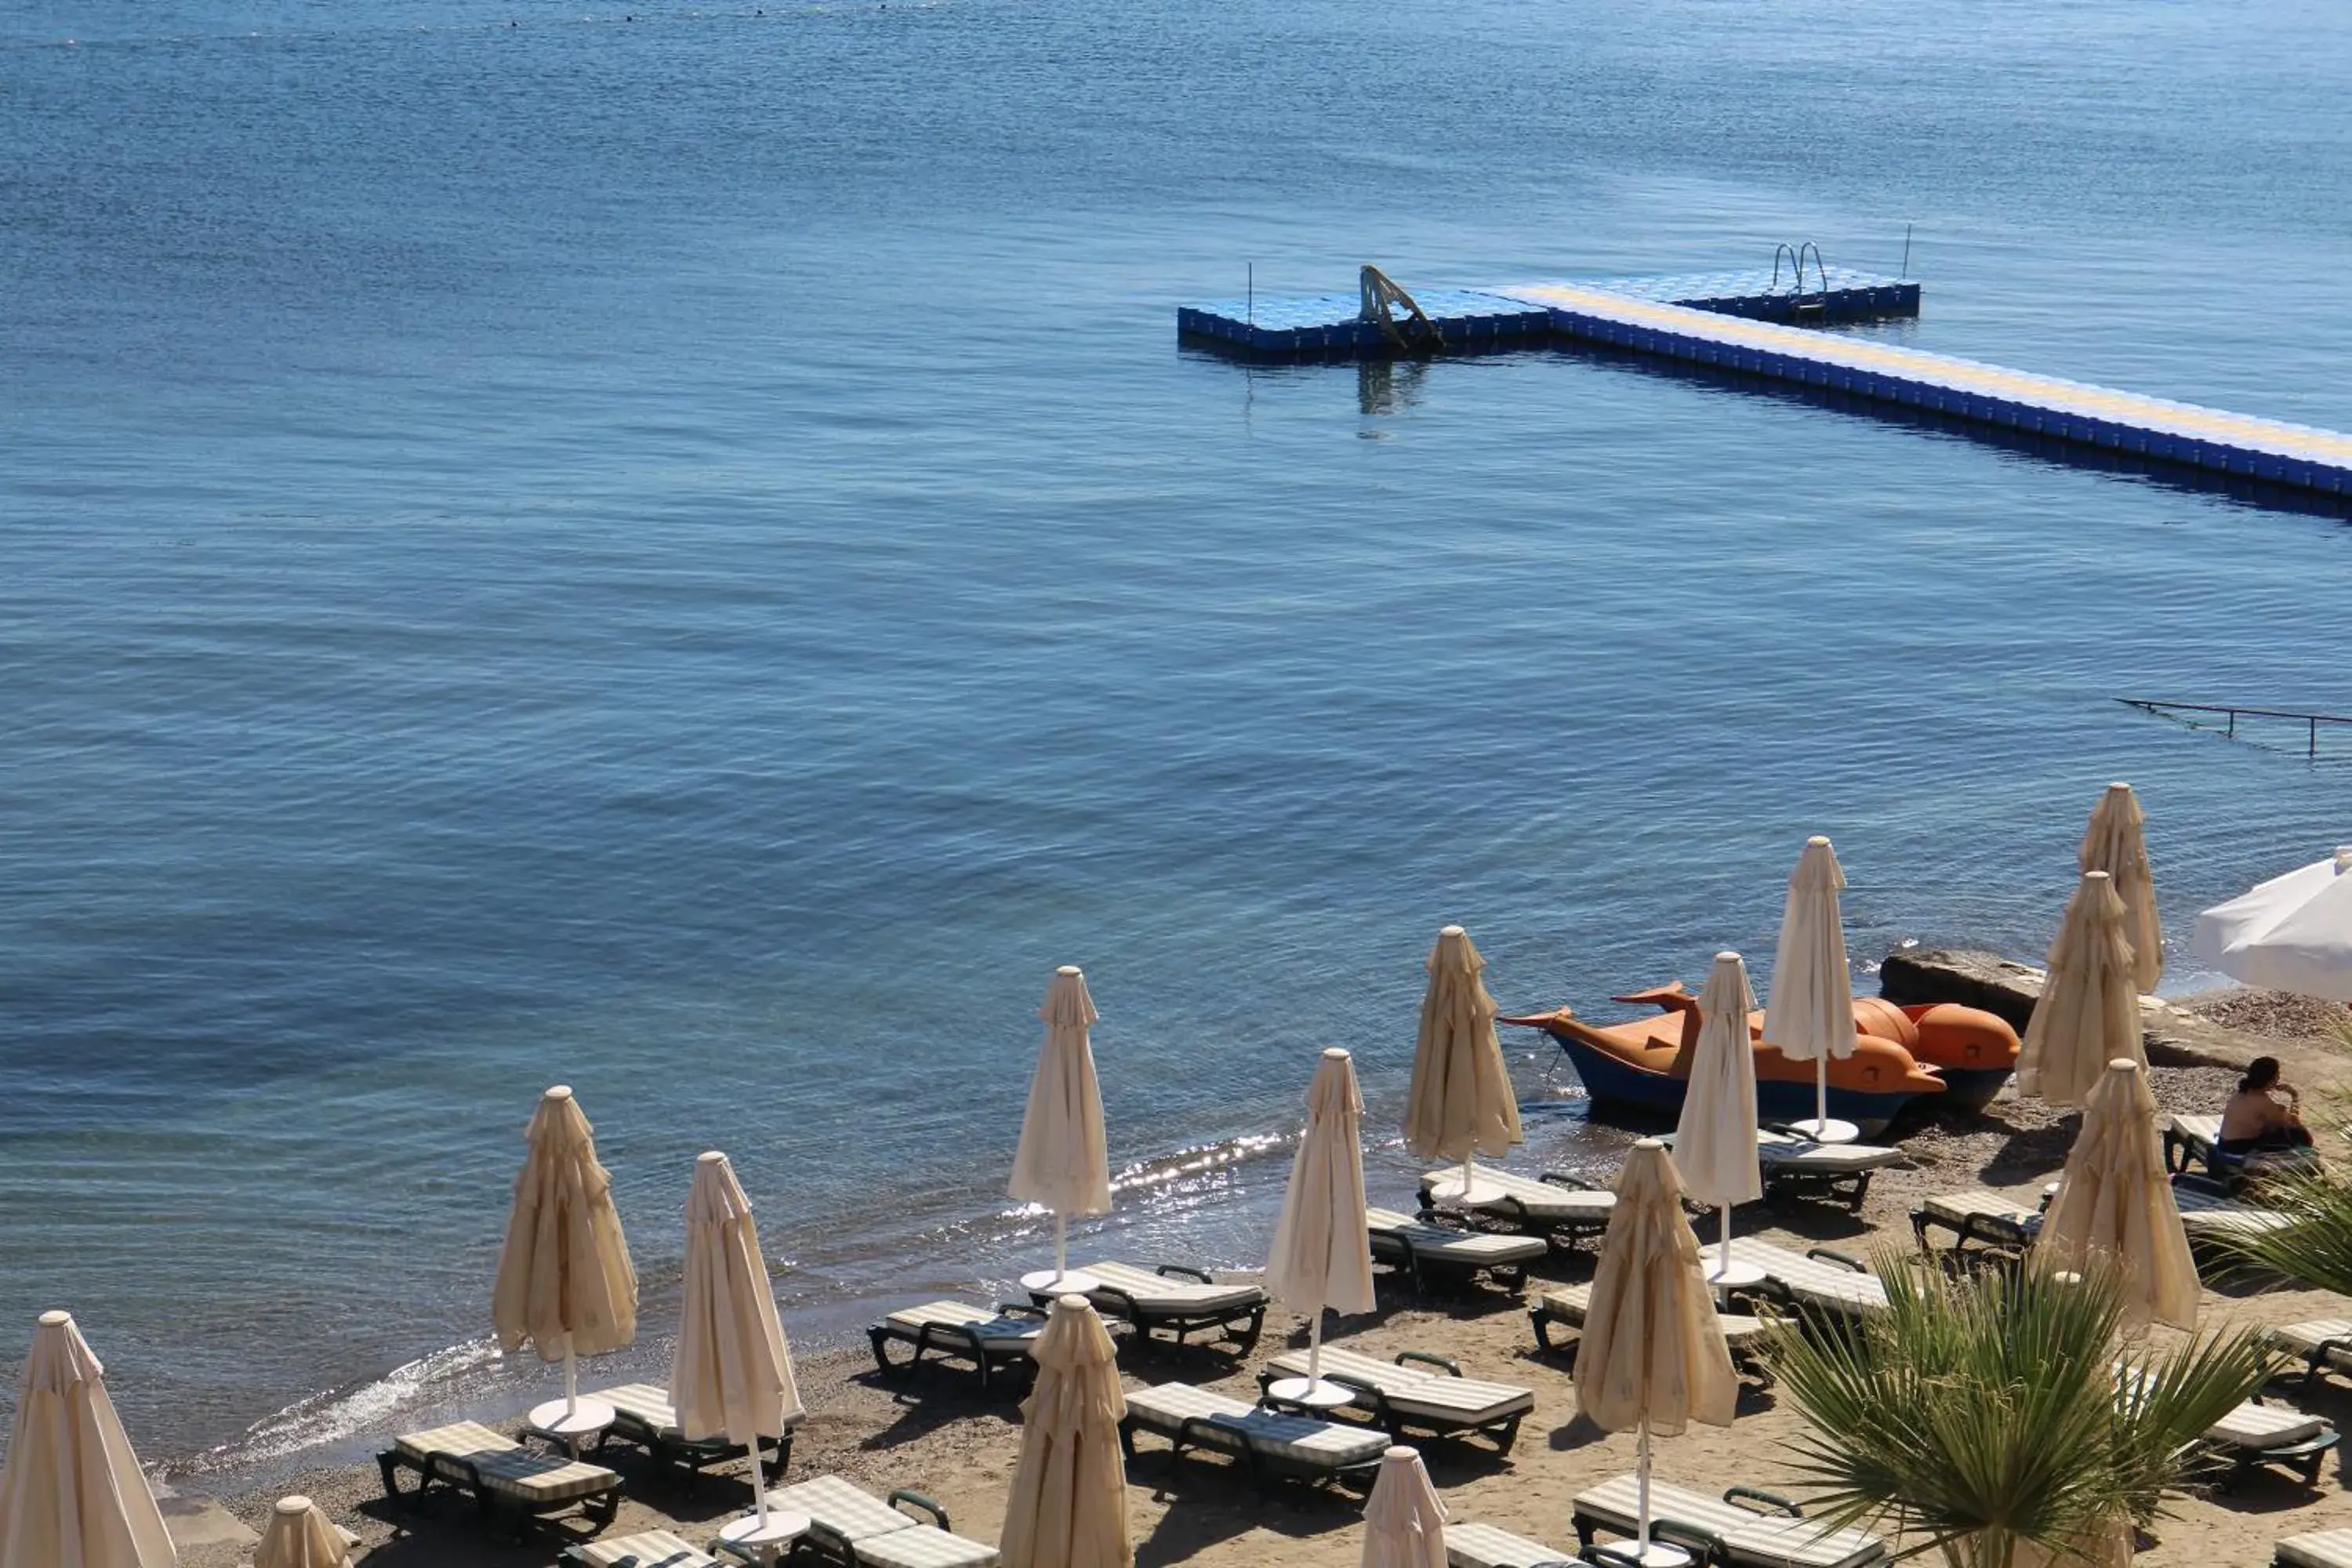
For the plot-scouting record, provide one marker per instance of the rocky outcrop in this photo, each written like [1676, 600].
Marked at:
[2173, 1036]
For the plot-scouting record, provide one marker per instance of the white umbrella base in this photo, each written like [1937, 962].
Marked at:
[766, 1540]
[1452, 1189]
[1830, 1130]
[557, 1419]
[1735, 1275]
[1316, 1393]
[1657, 1554]
[1049, 1282]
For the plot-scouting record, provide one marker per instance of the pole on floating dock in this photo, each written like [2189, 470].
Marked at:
[1253, 293]
[1906, 252]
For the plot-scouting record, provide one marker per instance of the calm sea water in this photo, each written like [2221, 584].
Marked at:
[675, 550]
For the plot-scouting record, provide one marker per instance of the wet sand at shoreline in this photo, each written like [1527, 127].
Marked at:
[936, 1435]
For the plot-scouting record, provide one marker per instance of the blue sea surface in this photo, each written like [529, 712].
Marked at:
[676, 551]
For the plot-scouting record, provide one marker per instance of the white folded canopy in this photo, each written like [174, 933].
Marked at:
[1068, 1506]
[565, 1284]
[1404, 1523]
[1322, 1254]
[71, 1494]
[300, 1535]
[2115, 1202]
[2291, 933]
[731, 1375]
[1715, 1140]
[2116, 843]
[2089, 1011]
[1461, 1103]
[1810, 1014]
[1064, 1161]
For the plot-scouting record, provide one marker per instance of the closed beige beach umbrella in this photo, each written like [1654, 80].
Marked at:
[1068, 1507]
[1461, 1103]
[1064, 1161]
[1810, 1015]
[1715, 1140]
[2115, 1201]
[71, 1494]
[565, 1285]
[2117, 844]
[732, 1375]
[1404, 1523]
[1322, 1250]
[300, 1535]
[1652, 1358]
[2089, 1010]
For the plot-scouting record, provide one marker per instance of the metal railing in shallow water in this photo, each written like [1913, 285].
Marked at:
[2311, 721]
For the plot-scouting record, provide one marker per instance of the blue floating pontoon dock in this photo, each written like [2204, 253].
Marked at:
[1758, 324]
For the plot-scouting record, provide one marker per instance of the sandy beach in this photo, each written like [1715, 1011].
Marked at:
[935, 1433]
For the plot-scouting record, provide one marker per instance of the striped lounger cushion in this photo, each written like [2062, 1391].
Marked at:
[650, 1549]
[2321, 1549]
[1306, 1443]
[2305, 1339]
[1958, 1209]
[1813, 1282]
[1465, 1248]
[849, 1511]
[1829, 1158]
[999, 1335]
[1486, 1546]
[1417, 1395]
[1158, 1293]
[1745, 1537]
[923, 1546]
[1569, 1303]
[1545, 1202]
[648, 1403]
[2260, 1427]
[507, 1467]
[2203, 1213]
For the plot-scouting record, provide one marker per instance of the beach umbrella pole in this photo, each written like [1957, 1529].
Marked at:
[1642, 1485]
[1315, 1349]
[759, 1484]
[1061, 1248]
[1723, 1248]
[1820, 1095]
[571, 1380]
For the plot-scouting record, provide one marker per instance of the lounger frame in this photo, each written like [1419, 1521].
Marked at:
[2241, 1460]
[1502, 1432]
[1785, 1178]
[1508, 1214]
[1239, 1326]
[1705, 1545]
[954, 1342]
[1422, 1266]
[1265, 1467]
[499, 1512]
[823, 1543]
[1746, 1359]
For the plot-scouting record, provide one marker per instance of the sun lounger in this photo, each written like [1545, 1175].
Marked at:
[1416, 1392]
[647, 1549]
[1490, 1546]
[994, 1340]
[2321, 1344]
[1985, 1218]
[2208, 1212]
[1566, 1305]
[1178, 1301]
[642, 1415]
[1797, 1167]
[852, 1527]
[1423, 1249]
[2320, 1549]
[1821, 1281]
[1268, 1444]
[2256, 1435]
[1561, 1209]
[510, 1484]
[2188, 1142]
[1747, 1528]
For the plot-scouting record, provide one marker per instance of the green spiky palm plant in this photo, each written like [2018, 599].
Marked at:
[1980, 1418]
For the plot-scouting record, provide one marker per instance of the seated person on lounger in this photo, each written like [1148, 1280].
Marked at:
[2266, 1115]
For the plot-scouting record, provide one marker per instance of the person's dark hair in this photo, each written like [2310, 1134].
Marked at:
[2261, 1073]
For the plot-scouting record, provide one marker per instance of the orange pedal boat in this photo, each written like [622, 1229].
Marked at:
[1959, 1055]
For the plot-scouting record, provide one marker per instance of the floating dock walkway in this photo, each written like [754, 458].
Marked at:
[1739, 322]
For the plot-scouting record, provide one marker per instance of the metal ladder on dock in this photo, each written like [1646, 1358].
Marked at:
[1812, 308]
